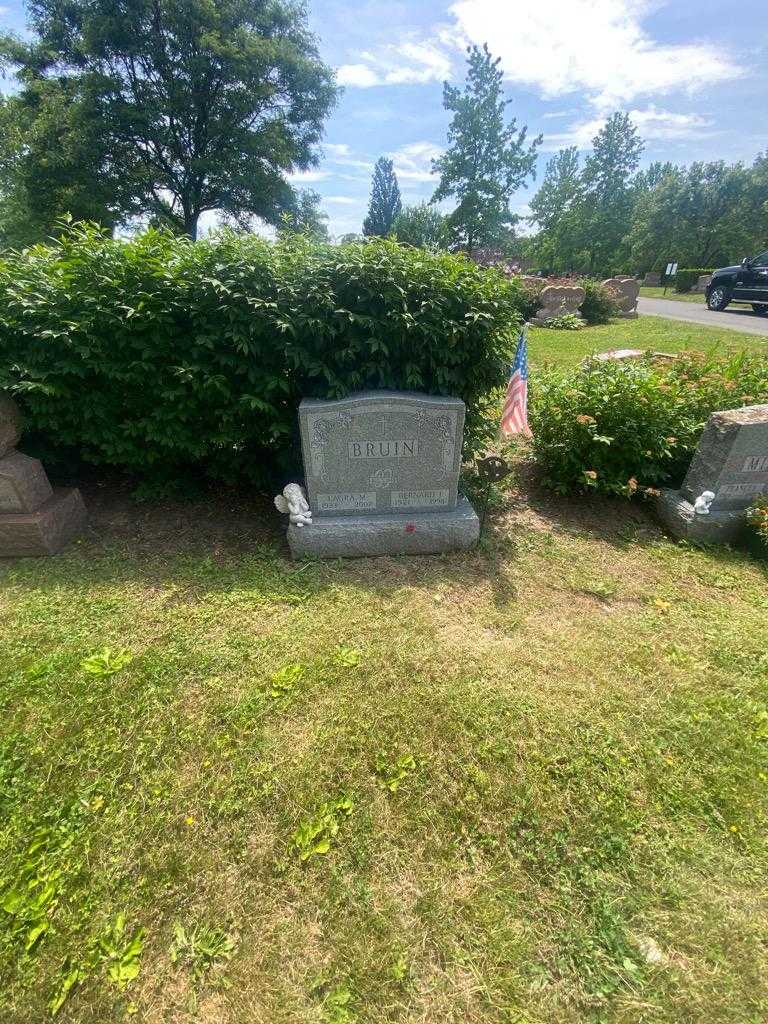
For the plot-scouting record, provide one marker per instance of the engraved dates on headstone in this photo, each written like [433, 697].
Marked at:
[382, 452]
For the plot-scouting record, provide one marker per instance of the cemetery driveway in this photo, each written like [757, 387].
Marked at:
[735, 318]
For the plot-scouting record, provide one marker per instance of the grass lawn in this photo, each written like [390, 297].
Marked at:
[651, 332]
[658, 293]
[525, 784]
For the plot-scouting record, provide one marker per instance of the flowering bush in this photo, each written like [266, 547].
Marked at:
[624, 427]
[758, 518]
[565, 322]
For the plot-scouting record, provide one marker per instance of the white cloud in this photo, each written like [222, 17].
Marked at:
[342, 200]
[338, 150]
[409, 62]
[651, 123]
[596, 46]
[414, 161]
[307, 177]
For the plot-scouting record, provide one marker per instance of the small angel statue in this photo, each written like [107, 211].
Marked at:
[703, 502]
[293, 502]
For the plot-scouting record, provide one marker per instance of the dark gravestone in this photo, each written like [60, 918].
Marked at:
[382, 476]
[731, 464]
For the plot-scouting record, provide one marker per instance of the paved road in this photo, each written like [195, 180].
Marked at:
[736, 318]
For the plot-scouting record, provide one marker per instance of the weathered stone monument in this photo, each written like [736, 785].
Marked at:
[382, 476]
[35, 519]
[559, 300]
[728, 472]
[703, 282]
[627, 290]
[652, 279]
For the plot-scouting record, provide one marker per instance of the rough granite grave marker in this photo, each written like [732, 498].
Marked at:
[731, 463]
[382, 476]
[35, 519]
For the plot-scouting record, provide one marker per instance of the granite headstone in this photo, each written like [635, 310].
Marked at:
[731, 463]
[382, 475]
[35, 519]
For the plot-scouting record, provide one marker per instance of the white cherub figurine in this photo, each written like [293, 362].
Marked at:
[702, 503]
[293, 502]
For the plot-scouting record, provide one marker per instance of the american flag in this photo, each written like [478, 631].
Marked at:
[514, 418]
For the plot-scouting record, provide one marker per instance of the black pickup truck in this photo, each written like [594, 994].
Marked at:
[746, 283]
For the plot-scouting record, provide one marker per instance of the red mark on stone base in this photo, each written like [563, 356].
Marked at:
[410, 528]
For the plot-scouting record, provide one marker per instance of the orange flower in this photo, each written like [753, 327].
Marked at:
[590, 474]
[585, 419]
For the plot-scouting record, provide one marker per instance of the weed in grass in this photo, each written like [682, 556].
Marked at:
[346, 657]
[313, 837]
[283, 682]
[106, 662]
[338, 1006]
[200, 948]
[392, 771]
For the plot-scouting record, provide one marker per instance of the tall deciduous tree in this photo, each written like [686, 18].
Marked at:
[608, 191]
[200, 104]
[703, 215]
[487, 159]
[386, 204]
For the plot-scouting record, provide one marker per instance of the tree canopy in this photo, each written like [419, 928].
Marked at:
[487, 160]
[182, 106]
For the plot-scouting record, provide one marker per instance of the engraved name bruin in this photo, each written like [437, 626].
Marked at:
[383, 449]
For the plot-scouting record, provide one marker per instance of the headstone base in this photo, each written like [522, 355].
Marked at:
[679, 517]
[631, 315]
[418, 533]
[46, 531]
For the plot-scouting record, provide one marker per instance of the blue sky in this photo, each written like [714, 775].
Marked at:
[693, 76]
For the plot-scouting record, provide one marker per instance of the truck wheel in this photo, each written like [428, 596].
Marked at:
[760, 310]
[719, 298]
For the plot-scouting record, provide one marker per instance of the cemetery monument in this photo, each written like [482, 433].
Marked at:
[35, 519]
[559, 300]
[382, 476]
[728, 472]
[627, 291]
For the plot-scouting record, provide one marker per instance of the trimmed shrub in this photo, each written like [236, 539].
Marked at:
[686, 279]
[616, 427]
[159, 354]
[600, 303]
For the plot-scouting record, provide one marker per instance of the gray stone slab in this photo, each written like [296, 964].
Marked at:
[419, 533]
[677, 514]
[732, 459]
[381, 451]
[46, 531]
[10, 424]
[24, 485]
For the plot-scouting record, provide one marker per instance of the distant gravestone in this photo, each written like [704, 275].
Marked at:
[728, 472]
[702, 283]
[627, 290]
[35, 519]
[652, 280]
[559, 300]
[382, 475]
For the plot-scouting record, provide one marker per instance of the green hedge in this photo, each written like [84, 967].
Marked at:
[616, 427]
[687, 278]
[158, 354]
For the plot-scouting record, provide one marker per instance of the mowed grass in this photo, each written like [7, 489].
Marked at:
[646, 332]
[522, 785]
[658, 293]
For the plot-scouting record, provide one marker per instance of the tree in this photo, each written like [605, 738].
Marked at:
[551, 209]
[304, 217]
[200, 104]
[52, 164]
[422, 226]
[385, 205]
[703, 215]
[487, 161]
[607, 200]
